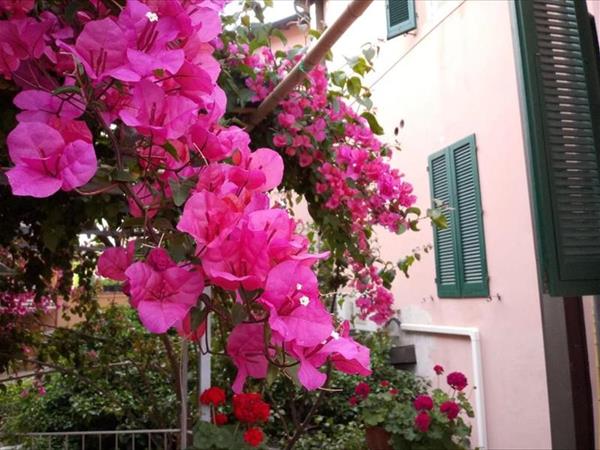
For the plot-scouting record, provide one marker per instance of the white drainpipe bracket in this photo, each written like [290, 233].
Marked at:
[473, 335]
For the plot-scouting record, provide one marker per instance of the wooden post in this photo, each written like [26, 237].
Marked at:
[310, 60]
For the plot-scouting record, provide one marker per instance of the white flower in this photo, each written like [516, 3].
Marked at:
[298, 286]
[335, 335]
[304, 300]
[113, 126]
[152, 17]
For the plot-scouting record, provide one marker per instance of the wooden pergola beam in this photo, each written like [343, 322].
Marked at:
[312, 58]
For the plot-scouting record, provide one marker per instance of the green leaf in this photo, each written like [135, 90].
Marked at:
[314, 33]
[66, 90]
[171, 150]
[121, 175]
[338, 78]
[354, 85]
[373, 124]
[181, 190]
[279, 34]
[198, 316]
[238, 313]
[413, 210]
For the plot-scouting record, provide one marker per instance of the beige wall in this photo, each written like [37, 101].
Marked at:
[453, 76]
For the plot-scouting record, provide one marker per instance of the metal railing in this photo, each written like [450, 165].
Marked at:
[165, 439]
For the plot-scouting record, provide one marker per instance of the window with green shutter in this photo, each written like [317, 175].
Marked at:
[562, 98]
[461, 269]
[401, 17]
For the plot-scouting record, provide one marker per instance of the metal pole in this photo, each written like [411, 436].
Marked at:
[204, 377]
[184, 391]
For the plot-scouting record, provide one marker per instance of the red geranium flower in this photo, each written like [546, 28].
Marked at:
[221, 419]
[423, 402]
[254, 436]
[384, 383]
[250, 408]
[450, 408]
[354, 400]
[213, 396]
[394, 391]
[457, 380]
[438, 369]
[362, 389]
[422, 421]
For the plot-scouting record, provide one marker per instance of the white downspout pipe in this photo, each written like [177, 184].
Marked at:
[473, 335]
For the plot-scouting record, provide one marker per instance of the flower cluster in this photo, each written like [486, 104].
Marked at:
[448, 406]
[140, 83]
[249, 409]
[24, 303]
[431, 420]
[350, 164]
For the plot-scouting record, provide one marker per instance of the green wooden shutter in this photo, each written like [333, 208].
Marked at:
[401, 17]
[562, 94]
[461, 267]
[446, 259]
[471, 241]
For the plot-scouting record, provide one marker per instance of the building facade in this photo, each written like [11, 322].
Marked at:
[506, 295]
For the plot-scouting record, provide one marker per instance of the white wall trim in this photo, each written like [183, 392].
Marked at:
[473, 335]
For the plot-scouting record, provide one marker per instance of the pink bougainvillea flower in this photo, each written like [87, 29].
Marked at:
[39, 106]
[156, 157]
[162, 292]
[346, 354]
[295, 312]
[185, 330]
[147, 36]
[206, 217]
[261, 170]
[207, 143]
[46, 161]
[20, 39]
[149, 199]
[154, 113]
[114, 261]
[246, 348]
[101, 49]
[17, 8]
[11, 49]
[238, 261]
[192, 81]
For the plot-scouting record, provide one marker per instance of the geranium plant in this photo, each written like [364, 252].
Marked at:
[429, 420]
[235, 424]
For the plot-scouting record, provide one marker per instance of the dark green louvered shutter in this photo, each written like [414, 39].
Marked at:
[562, 92]
[446, 260]
[461, 268]
[467, 203]
[400, 17]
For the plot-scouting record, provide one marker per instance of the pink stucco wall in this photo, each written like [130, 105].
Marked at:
[454, 76]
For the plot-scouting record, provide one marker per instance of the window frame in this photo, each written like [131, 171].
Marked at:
[402, 27]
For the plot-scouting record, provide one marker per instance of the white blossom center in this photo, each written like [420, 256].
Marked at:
[304, 300]
[151, 16]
